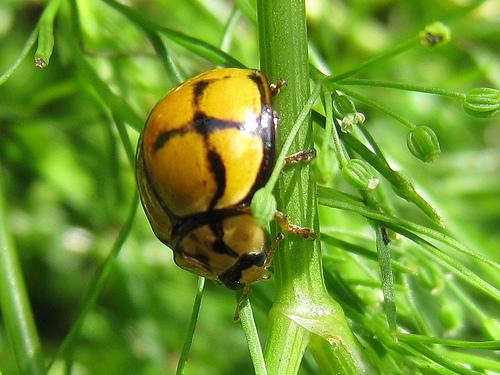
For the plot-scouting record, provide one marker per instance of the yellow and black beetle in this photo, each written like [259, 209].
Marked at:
[206, 148]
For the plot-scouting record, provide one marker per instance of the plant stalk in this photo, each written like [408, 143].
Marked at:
[303, 308]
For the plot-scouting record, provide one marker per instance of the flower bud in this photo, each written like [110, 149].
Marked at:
[423, 143]
[434, 34]
[351, 119]
[482, 102]
[360, 174]
[451, 315]
[325, 165]
[343, 105]
[263, 207]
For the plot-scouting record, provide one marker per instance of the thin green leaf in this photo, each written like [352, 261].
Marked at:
[400, 184]
[380, 107]
[24, 52]
[16, 311]
[381, 58]
[250, 330]
[384, 260]
[442, 359]
[291, 136]
[360, 250]
[327, 197]
[404, 86]
[228, 32]
[194, 45]
[478, 362]
[118, 107]
[46, 34]
[409, 337]
[331, 129]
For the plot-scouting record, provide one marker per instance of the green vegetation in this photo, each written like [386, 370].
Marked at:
[403, 113]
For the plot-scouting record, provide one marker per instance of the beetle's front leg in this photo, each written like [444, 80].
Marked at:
[301, 156]
[306, 233]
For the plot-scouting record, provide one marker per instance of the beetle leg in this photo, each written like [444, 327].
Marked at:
[246, 290]
[304, 155]
[241, 299]
[270, 253]
[295, 229]
[276, 87]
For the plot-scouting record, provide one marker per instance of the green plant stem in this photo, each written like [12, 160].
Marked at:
[331, 198]
[290, 137]
[381, 58]
[389, 112]
[330, 358]
[250, 330]
[195, 45]
[192, 326]
[284, 56]
[16, 312]
[117, 105]
[489, 325]
[331, 130]
[360, 250]
[408, 337]
[403, 86]
[228, 32]
[303, 307]
[46, 34]
[24, 52]
[490, 364]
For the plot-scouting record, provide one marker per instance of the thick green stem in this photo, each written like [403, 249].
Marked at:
[303, 307]
[283, 48]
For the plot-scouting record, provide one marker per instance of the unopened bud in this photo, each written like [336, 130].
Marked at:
[360, 174]
[423, 143]
[434, 34]
[325, 166]
[351, 119]
[263, 207]
[482, 102]
[343, 105]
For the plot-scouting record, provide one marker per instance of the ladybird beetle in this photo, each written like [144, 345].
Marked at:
[207, 146]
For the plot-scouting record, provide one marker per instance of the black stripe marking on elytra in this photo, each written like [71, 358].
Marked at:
[201, 123]
[231, 278]
[165, 136]
[198, 89]
[219, 171]
[189, 223]
[205, 125]
[257, 78]
[219, 246]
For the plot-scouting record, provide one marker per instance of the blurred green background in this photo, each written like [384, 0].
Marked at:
[69, 185]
